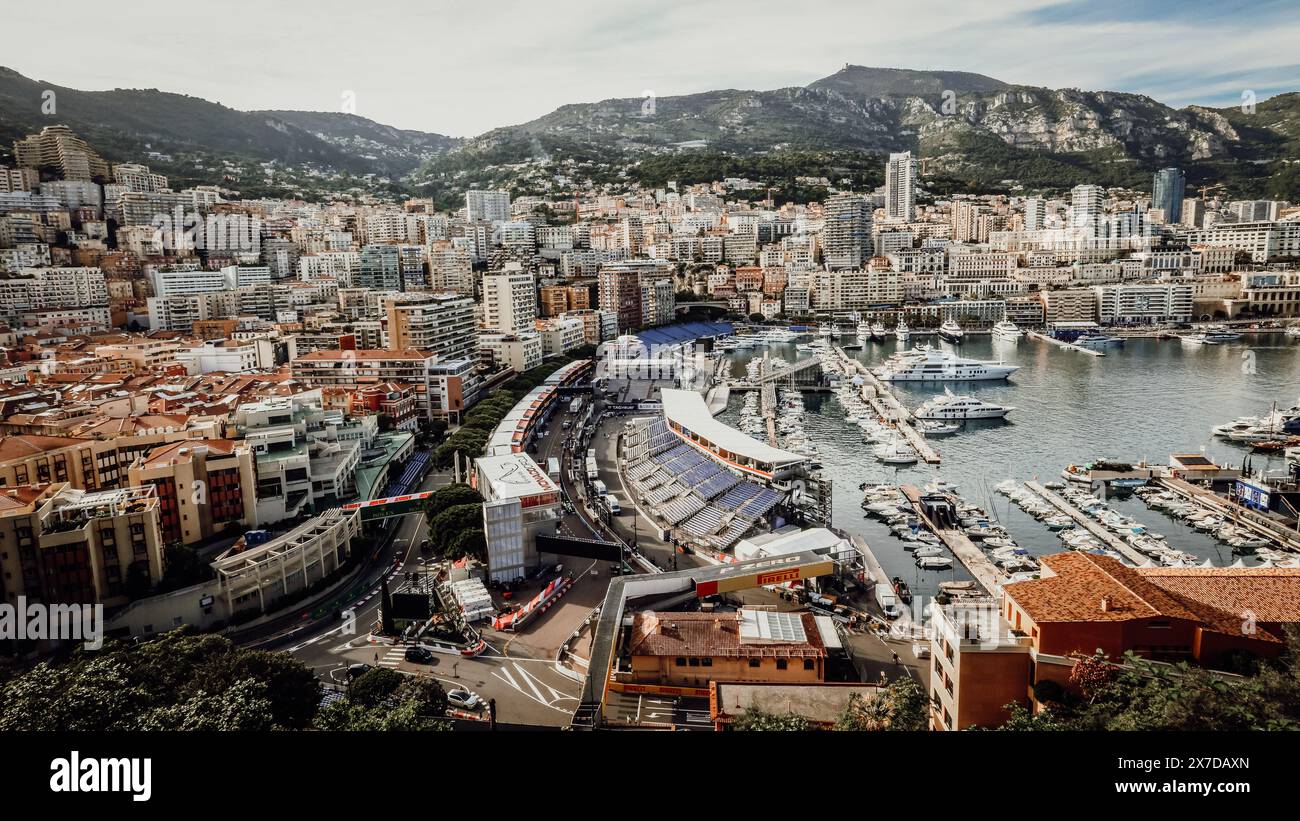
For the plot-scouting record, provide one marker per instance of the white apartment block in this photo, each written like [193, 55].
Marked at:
[1143, 304]
[509, 301]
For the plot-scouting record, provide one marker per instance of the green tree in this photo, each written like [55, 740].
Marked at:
[470, 542]
[755, 720]
[449, 496]
[292, 691]
[900, 705]
[374, 687]
[242, 707]
[445, 526]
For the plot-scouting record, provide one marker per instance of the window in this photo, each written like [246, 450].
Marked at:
[1159, 625]
[706, 662]
[808, 664]
[695, 662]
[681, 662]
[782, 664]
[753, 662]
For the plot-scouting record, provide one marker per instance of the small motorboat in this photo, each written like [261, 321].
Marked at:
[934, 562]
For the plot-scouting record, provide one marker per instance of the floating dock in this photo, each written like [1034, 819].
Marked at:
[1095, 528]
[984, 571]
[1285, 538]
[883, 402]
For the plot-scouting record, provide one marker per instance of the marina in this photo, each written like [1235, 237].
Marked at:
[1052, 426]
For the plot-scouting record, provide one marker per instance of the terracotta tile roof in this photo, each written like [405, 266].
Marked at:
[171, 454]
[22, 446]
[1218, 598]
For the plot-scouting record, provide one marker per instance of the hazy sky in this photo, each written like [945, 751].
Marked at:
[461, 68]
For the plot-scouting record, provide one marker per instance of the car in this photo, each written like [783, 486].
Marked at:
[419, 654]
[357, 670]
[464, 699]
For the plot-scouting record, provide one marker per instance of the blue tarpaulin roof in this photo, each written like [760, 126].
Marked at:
[683, 332]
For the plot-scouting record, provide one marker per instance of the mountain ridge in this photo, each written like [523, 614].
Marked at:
[972, 128]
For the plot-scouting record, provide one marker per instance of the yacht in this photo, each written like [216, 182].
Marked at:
[878, 332]
[950, 331]
[778, 335]
[1096, 340]
[826, 331]
[1216, 335]
[864, 331]
[895, 453]
[930, 365]
[901, 332]
[1293, 331]
[951, 406]
[1006, 329]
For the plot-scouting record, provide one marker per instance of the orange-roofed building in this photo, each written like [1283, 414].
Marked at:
[205, 487]
[984, 658]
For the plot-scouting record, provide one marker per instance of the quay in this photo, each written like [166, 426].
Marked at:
[884, 403]
[1285, 537]
[874, 569]
[1093, 527]
[985, 572]
[1066, 345]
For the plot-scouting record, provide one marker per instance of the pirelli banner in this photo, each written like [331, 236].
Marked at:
[762, 572]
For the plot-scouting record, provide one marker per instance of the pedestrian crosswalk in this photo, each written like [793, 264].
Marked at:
[392, 656]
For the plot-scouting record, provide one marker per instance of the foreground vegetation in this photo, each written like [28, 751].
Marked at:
[188, 681]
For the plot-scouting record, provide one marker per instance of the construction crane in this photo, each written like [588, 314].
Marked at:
[1218, 186]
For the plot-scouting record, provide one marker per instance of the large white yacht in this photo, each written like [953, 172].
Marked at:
[901, 332]
[951, 331]
[1214, 335]
[929, 365]
[951, 406]
[778, 335]
[1006, 329]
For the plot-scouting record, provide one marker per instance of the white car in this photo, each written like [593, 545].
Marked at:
[464, 699]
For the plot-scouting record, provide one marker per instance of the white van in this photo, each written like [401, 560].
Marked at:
[599, 487]
[888, 601]
[614, 506]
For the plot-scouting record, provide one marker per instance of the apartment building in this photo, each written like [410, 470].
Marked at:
[443, 324]
[64, 545]
[355, 369]
[204, 487]
[57, 147]
[509, 301]
[1143, 304]
[1070, 305]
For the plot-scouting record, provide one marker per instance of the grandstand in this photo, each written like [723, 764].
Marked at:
[411, 474]
[518, 427]
[699, 498]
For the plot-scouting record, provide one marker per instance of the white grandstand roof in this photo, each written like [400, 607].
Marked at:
[687, 409]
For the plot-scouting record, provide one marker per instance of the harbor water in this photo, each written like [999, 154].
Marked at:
[1143, 400]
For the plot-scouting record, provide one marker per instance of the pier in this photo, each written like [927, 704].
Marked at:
[977, 564]
[1104, 535]
[1069, 346]
[1285, 537]
[884, 403]
[874, 569]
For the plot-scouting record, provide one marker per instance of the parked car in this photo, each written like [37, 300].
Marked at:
[464, 699]
[356, 670]
[419, 654]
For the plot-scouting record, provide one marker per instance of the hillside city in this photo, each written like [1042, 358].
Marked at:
[543, 460]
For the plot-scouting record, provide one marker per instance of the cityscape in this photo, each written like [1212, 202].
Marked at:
[899, 400]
